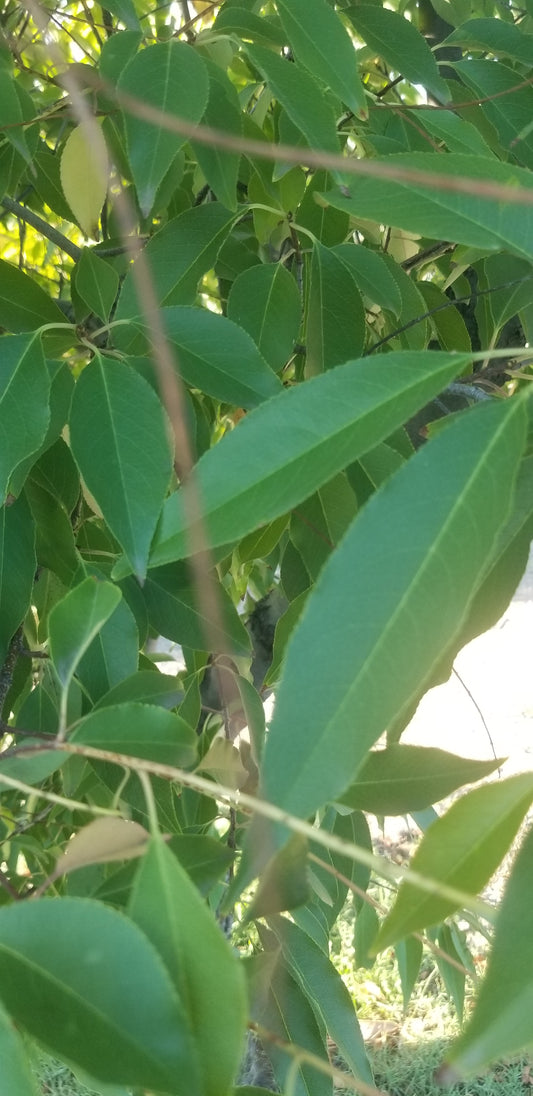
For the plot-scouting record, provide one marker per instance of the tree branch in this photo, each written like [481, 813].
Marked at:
[43, 227]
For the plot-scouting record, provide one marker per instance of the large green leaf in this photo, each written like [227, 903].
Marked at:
[168, 908]
[113, 654]
[176, 611]
[219, 165]
[301, 97]
[335, 313]
[24, 396]
[400, 44]
[462, 849]
[55, 544]
[173, 78]
[320, 42]
[139, 730]
[501, 1025]
[119, 437]
[265, 301]
[507, 106]
[299, 440]
[178, 255]
[325, 990]
[371, 275]
[84, 980]
[18, 563]
[218, 357]
[387, 603]
[61, 389]
[446, 214]
[402, 778]
[496, 36]
[76, 620]
[24, 306]
[97, 282]
[11, 116]
[17, 1076]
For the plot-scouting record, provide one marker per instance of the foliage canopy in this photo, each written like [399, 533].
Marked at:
[266, 295]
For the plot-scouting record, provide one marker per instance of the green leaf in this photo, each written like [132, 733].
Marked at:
[61, 389]
[146, 687]
[372, 276]
[365, 932]
[96, 282]
[24, 395]
[408, 957]
[218, 357]
[505, 105]
[324, 988]
[445, 214]
[139, 730]
[264, 300]
[402, 779]
[495, 36]
[463, 848]
[321, 44]
[301, 97]
[113, 654]
[24, 306]
[18, 1078]
[178, 255]
[318, 524]
[11, 117]
[335, 313]
[174, 79]
[459, 135]
[176, 611]
[300, 440]
[85, 982]
[48, 183]
[235, 19]
[401, 46]
[125, 11]
[119, 437]
[282, 1008]
[205, 860]
[17, 569]
[284, 883]
[76, 620]
[501, 1023]
[387, 602]
[168, 908]
[55, 546]
[330, 226]
[223, 111]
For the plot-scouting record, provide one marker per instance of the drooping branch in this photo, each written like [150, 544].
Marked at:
[53, 234]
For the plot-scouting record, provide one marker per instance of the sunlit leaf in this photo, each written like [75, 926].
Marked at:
[84, 173]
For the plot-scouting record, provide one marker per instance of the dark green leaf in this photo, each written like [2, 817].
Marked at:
[218, 357]
[233, 18]
[325, 990]
[400, 44]
[301, 97]
[17, 569]
[320, 42]
[203, 858]
[372, 276]
[55, 545]
[24, 395]
[125, 11]
[408, 957]
[96, 282]
[24, 306]
[175, 610]
[220, 166]
[11, 117]
[85, 982]
[119, 437]
[113, 654]
[445, 214]
[495, 36]
[402, 778]
[335, 313]
[76, 620]
[139, 730]
[507, 106]
[300, 440]
[168, 908]
[178, 255]
[146, 687]
[265, 301]
[387, 602]
[284, 883]
[174, 79]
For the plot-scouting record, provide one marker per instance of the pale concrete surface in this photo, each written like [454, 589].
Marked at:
[497, 670]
